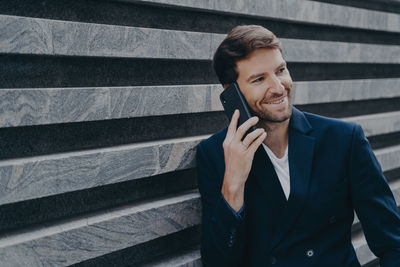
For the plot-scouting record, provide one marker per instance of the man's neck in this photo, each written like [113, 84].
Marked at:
[277, 136]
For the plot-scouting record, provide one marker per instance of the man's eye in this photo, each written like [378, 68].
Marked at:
[281, 70]
[259, 79]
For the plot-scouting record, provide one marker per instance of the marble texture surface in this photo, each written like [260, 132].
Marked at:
[389, 157]
[22, 107]
[344, 90]
[338, 52]
[380, 123]
[29, 178]
[188, 259]
[51, 37]
[296, 11]
[364, 254]
[74, 241]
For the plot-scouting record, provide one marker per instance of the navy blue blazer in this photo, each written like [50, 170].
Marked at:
[333, 172]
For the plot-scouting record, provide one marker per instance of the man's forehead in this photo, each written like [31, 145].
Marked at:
[260, 61]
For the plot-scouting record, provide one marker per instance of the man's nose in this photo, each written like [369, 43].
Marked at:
[276, 85]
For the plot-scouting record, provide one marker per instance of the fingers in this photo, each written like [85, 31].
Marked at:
[252, 136]
[232, 126]
[244, 128]
[256, 143]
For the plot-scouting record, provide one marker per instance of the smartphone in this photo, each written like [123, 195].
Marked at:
[231, 99]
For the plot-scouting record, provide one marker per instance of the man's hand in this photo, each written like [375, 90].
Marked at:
[238, 158]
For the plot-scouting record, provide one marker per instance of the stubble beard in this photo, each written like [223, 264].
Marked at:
[268, 116]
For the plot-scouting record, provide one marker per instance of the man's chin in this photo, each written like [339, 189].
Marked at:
[274, 120]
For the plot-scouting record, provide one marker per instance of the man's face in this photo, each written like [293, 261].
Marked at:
[266, 84]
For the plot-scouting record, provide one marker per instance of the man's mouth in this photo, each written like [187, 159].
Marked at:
[278, 101]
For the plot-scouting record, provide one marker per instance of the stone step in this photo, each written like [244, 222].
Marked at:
[295, 11]
[344, 90]
[364, 254]
[388, 157]
[15, 245]
[38, 106]
[376, 124]
[114, 230]
[92, 236]
[392, 6]
[189, 258]
[23, 35]
[34, 177]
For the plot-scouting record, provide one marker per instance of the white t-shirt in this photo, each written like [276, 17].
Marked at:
[281, 166]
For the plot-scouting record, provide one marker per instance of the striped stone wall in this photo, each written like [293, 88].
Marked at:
[103, 102]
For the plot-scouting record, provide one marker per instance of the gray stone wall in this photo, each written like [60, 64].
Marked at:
[103, 102]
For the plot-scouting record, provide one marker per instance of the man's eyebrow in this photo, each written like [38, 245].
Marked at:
[283, 64]
[254, 76]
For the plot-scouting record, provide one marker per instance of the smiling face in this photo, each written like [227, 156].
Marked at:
[265, 82]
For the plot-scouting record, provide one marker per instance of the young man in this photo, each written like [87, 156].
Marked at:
[285, 195]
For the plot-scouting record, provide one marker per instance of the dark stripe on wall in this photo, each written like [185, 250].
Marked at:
[385, 140]
[353, 108]
[29, 141]
[392, 174]
[18, 71]
[149, 16]
[32, 71]
[379, 5]
[32, 213]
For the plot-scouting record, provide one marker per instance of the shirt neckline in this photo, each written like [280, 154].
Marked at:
[270, 153]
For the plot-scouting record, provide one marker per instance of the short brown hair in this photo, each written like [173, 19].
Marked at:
[240, 42]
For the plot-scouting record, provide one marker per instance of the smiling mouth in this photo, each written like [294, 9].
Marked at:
[276, 101]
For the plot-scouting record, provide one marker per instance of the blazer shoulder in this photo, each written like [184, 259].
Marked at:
[331, 125]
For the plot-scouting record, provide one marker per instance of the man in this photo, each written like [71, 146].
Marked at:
[285, 195]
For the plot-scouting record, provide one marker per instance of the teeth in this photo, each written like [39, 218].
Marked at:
[276, 102]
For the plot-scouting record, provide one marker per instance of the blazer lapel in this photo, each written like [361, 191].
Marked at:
[301, 151]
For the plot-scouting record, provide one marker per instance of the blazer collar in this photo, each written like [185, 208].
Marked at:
[299, 122]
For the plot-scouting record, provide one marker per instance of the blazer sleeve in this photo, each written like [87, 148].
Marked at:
[373, 201]
[222, 241]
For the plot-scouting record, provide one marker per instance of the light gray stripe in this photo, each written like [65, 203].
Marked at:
[92, 236]
[389, 157]
[363, 252]
[21, 107]
[296, 11]
[52, 37]
[186, 259]
[344, 90]
[376, 124]
[30, 178]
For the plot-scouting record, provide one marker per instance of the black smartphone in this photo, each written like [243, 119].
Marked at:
[231, 99]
